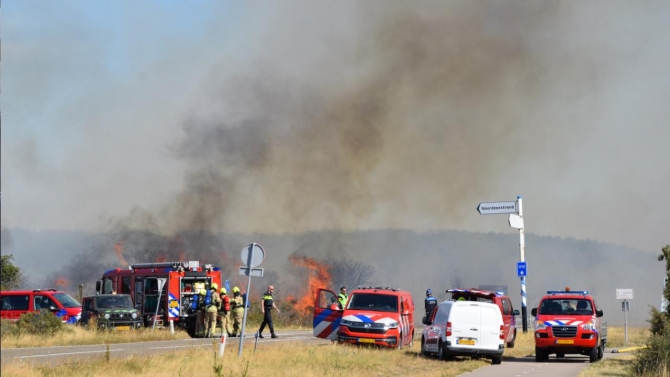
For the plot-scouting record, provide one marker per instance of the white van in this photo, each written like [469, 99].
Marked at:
[464, 328]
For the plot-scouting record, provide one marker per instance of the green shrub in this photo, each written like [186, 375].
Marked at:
[660, 323]
[40, 323]
[8, 328]
[654, 360]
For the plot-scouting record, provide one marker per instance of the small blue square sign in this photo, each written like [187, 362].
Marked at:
[521, 269]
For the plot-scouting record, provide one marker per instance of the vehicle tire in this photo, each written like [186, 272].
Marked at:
[601, 351]
[441, 354]
[511, 344]
[423, 347]
[496, 360]
[540, 355]
[593, 355]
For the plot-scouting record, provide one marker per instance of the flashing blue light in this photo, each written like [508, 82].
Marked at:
[108, 271]
[518, 197]
[567, 292]
[216, 269]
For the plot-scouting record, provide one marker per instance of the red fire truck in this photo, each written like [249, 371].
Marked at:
[177, 298]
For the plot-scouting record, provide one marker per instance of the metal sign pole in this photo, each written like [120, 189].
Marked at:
[522, 245]
[244, 320]
[625, 318]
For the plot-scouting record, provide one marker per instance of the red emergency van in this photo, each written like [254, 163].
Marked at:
[568, 322]
[13, 304]
[373, 315]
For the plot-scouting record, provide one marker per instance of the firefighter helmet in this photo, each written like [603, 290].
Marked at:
[203, 292]
[236, 290]
[214, 286]
[224, 291]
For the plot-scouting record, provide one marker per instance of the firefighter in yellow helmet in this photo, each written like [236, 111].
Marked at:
[237, 308]
[200, 313]
[212, 303]
[224, 312]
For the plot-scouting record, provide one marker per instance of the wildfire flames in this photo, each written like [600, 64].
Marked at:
[319, 277]
[118, 249]
[61, 282]
[161, 258]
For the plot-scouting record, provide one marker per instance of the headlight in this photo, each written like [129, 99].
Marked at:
[539, 325]
[134, 315]
[344, 322]
[106, 315]
[590, 325]
[391, 325]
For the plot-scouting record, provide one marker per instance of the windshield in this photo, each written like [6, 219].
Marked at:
[374, 302]
[113, 302]
[66, 300]
[564, 306]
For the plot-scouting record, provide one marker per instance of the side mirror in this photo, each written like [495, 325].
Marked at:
[533, 312]
[98, 286]
[599, 312]
[516, 312]
[53, 308]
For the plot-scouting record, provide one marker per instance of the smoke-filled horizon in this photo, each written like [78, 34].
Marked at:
[302, 116]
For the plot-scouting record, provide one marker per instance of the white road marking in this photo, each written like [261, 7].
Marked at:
[66, 353]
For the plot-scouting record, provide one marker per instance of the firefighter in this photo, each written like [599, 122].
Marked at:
[224, 312]
[342, 297]
[266, 307]
[430, 302]
[199, 314]
[237, 309]
[211, 309]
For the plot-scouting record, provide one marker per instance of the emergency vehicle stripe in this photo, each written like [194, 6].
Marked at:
[562, 323]
[172, 312]
[364, 319]
[326, 323]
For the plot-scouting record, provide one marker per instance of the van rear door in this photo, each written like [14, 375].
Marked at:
[327, 315]
[491, 321]
[465, 318]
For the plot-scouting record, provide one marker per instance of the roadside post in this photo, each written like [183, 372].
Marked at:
[515, 211]
[222, 345]
[252, 256]
[625, 295]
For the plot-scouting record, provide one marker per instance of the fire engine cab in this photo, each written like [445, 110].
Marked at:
[178, 296]
[568, 322]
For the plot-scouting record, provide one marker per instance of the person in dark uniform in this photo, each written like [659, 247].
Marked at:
[266, 307]
[430, 302]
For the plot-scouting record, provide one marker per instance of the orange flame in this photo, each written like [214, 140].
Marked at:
[319, 277]
[61, 282]
[118, 249]
[161, 258]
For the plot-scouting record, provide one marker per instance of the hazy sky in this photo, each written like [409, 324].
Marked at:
[295, 115]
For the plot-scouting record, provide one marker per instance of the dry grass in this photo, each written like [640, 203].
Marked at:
[637, 336]
[523, 346]
[291, 359]
[82, 336]
[615, 367]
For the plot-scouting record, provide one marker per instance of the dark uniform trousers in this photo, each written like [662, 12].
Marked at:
[267, 320]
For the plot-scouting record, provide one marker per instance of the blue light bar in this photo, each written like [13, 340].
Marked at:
[568, 293]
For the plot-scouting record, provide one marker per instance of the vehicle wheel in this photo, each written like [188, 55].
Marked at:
[593, 355]
[511, 344]
[496, 360]
[560, 355]
[441, 354]
[423, 347]
[601, 351]
[540, 355]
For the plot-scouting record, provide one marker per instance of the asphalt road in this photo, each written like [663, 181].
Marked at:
[570, 365]
[56, 354]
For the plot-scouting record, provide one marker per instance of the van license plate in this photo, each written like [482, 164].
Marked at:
[364, 340]
[565, 341]
[469, 342]
[123, 328]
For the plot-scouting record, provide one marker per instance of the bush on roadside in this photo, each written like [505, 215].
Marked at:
[659, 322]
[654, 360]
[8, 328]
[40, 323]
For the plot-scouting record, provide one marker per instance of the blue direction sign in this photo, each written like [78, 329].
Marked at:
[521, 269]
